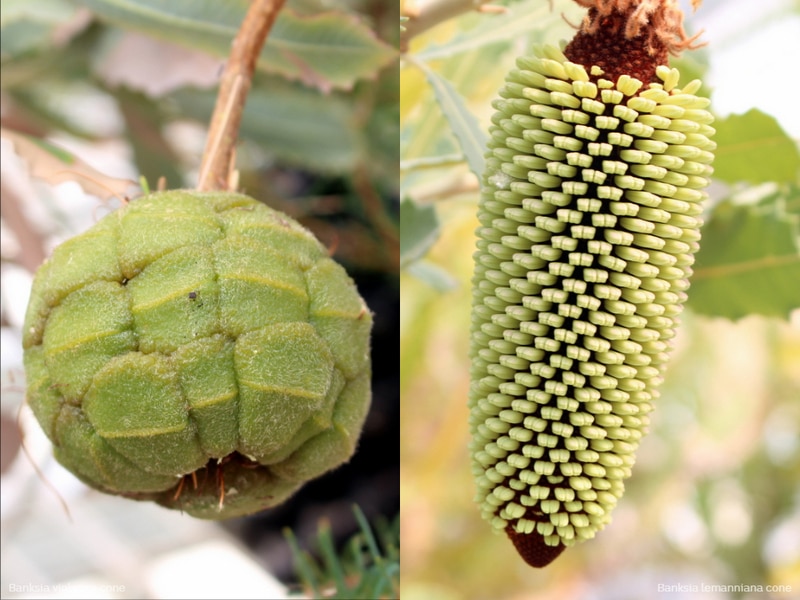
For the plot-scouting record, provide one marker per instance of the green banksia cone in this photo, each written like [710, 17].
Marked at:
[200, 350]
[590, 216]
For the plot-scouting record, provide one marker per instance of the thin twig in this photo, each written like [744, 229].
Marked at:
[373, 206]
[47, 483]
[32, 253]
[217, 163]
[363, 185]
[425, 14]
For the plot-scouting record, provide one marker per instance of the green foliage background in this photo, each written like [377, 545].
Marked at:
[318, 138]
[323, 103]
[715, 495]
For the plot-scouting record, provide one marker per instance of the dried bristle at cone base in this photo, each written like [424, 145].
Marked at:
[590, 215]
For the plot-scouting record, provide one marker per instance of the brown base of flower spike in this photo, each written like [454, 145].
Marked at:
[533, 549]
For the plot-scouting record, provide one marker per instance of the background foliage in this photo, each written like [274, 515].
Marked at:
[318, 127]
[715, 495]
[134, 81]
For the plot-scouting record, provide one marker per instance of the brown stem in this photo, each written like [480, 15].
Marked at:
[218, 156]
[373, 206]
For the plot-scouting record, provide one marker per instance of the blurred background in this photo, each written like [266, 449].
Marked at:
[714, 499]
[126, 90]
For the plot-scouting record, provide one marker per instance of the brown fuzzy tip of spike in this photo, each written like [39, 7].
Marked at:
[629, 37]
[533, 549]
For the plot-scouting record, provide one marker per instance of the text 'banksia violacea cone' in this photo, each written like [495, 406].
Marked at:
[200, 350]
[590, 216]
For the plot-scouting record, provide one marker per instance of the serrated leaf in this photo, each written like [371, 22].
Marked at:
[752, 147]
[55, 165]
[419, 229]
[471, 137]
[297, 125]
[749, 262]
[330, 50]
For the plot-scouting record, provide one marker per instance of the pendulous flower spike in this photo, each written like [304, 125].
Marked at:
[589, 218]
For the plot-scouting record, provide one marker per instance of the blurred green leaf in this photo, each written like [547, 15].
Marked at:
[144, 125]
[297, 125]
[20, 73]
[326, 50]
[465, 126]
[434, 275]
[749, 261]
[419, 229]
[27, 25]
[329, 50]
[752, 147]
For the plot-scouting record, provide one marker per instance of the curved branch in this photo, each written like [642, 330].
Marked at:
[218, 156]
[426, 14]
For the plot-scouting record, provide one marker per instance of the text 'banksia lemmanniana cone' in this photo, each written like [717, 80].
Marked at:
[198, 349]
[590, 216]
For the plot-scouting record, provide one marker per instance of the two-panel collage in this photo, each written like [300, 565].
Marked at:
[381, 299]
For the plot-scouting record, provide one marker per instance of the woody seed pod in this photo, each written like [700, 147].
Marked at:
[590, 216]
[200, 350]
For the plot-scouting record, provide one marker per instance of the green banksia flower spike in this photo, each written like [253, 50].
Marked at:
[198, 349]
[590, 216]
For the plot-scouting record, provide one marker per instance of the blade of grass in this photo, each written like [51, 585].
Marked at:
[333, 566]
[302, 563]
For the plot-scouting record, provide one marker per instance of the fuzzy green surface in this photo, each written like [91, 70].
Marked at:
[199, 333]
[590, 216]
